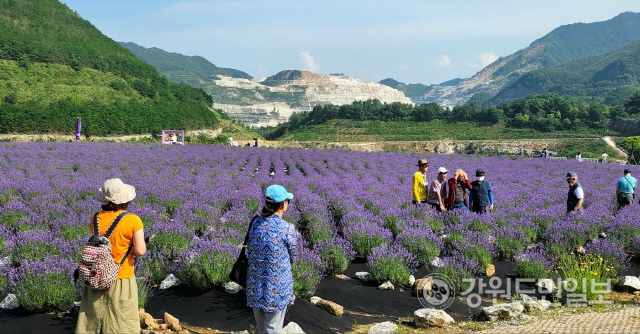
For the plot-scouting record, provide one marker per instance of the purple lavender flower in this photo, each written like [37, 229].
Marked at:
[611, 252]
[422, 243]
[336, 254]
[391, 263]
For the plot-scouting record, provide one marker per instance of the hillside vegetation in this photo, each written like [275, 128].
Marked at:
[55, 66]
[612, 77]
[543, 116]
[171, 64]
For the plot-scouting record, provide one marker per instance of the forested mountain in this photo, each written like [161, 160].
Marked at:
[562, 45]
[176, 66]
[410, 90]
[55, 66]
[611, 77]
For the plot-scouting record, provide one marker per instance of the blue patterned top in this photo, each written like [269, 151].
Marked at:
[271, 250]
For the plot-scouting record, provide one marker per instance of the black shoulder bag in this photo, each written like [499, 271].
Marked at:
[239, 271]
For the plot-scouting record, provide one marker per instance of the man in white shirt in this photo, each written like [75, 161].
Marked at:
[575, 197]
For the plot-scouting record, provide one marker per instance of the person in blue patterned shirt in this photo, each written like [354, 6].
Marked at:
[271, 250]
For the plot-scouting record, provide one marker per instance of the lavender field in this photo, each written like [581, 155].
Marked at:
[196, 202]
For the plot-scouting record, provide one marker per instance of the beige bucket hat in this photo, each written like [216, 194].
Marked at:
[117, 192]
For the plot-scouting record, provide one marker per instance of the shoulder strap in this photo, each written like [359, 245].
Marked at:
[127, 254]
[625, 178]
[96, 228]
[246, 238]
[115, 223]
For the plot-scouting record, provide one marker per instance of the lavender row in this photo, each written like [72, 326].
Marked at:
[196, 202]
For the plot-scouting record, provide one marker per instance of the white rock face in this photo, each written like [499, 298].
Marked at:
[630, 283]
[315, 90]
[232, 287]
[386, 327]
[386, 286]
[483, 81]
[363, 275]
[428, 317]
[9, 302]
[292, 328]
[169, 282]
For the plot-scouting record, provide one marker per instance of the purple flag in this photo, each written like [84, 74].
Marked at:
[78, 128]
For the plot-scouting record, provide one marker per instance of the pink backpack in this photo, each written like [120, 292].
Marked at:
[97, 269]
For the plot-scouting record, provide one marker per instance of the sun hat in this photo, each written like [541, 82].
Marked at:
[117, 192]
[480, 172]
[276, 194]
[627, 170]
[571, 174]
[423, 162]
[442, 170]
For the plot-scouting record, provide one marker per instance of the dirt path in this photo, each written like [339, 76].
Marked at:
[613, 145]
[617, 322]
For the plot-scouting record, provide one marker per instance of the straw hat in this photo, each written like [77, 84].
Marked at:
[116, 192]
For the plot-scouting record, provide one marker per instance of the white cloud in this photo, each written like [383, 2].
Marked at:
[443, 61]
[404, 67]
[487, 58]
[308, 63]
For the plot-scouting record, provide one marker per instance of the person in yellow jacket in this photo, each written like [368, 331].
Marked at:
[419, 184]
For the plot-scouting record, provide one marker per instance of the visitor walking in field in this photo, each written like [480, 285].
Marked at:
[481, 194]
[115, 310]
[579, 156]
[575, 197]
[457, 194]
[438, 191]
[625, 189]
[271, 251]
[419, 183]
[605, 157]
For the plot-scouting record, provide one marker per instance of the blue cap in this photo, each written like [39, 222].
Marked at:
[276, 194]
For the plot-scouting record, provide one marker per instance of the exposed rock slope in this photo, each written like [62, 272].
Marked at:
[298, 93]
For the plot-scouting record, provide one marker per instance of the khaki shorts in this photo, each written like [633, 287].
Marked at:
[110, 311]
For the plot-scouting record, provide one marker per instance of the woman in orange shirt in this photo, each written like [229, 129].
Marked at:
[115, 310]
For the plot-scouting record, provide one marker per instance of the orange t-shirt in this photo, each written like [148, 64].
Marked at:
[121, 238]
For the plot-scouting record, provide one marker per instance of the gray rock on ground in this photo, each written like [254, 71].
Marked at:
[429, 317]
[232, 287]
[9, 302]
[506, 311]
[436, 262]
[292, 328]
[386, 327]
[630, 283]
[531, 303]
[386, 286]
[363, 275]
[412, 280]
[168, 282]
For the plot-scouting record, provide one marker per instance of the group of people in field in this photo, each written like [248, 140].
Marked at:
[458, 193]
[271, 249]
[455, 193]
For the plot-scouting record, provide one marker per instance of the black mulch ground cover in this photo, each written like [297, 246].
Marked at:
[362, 301]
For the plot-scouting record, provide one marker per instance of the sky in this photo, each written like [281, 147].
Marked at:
[425, 41]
